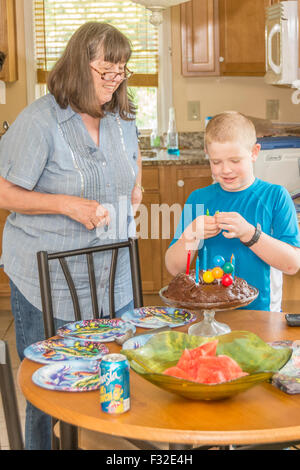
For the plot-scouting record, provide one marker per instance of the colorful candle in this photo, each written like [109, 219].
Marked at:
[204, 258]
[197, 270]
[188, 262]
[232, 261]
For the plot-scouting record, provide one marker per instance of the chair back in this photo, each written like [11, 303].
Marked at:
[43, 258]
[9, 400]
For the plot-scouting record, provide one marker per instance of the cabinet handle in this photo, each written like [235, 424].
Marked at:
[221, 59]
[180, 183]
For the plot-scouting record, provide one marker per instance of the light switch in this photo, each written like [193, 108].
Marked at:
[2, 93]
[193, 110]
[272, 109]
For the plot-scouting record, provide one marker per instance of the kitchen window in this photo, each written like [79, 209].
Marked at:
[56, 20]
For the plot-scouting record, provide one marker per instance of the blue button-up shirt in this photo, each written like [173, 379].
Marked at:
[48, 150]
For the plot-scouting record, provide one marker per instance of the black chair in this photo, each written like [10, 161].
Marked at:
[9, 400]
[69, 433]
[43, 258]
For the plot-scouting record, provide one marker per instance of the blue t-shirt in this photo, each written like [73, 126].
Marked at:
[269, 205]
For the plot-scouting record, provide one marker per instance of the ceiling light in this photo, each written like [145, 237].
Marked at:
[157, 7]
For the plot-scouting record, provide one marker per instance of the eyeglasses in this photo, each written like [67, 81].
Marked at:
[111, 76]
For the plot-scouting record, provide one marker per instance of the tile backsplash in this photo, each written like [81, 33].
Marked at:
[186, 140]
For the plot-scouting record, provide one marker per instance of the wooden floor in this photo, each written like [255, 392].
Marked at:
[7, 333]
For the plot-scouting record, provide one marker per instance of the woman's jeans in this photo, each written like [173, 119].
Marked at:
[29, 327]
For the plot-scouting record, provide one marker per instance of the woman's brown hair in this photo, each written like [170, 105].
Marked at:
[70, 81]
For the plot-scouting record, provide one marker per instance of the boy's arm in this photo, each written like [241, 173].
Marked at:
[276, 253]
[201, 228]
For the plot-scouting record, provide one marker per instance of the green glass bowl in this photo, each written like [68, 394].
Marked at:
[163, 350]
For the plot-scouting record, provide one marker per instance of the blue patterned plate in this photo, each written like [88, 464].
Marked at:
[155, 317]
[136, 342]
[103, 330]
[62, 349]
[69, 376]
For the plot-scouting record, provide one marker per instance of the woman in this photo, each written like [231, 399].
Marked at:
[70, 165]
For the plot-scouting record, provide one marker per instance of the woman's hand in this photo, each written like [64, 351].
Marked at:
[235, 226]
[136, 198]
[89, 213]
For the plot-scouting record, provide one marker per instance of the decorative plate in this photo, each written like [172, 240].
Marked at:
[69, 376]
[155, 317]
[96, 330]
[136, 342]
[62, 349]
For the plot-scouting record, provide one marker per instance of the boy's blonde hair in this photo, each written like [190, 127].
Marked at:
[230, 126]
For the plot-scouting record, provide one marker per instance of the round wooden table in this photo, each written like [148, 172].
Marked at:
[263, 414]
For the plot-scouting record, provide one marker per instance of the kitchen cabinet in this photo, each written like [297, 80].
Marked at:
[8, 42]
[4, 281]
[223, 37]
[166, 190]
[149, 248]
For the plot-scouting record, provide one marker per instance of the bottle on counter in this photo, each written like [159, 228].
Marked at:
[172, 135]
[154, 139]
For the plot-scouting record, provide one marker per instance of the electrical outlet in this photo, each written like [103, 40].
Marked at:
[193, 110]
[272, 109]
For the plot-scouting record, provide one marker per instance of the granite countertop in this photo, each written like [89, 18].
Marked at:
[161, 157]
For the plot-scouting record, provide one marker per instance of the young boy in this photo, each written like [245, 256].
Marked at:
[254, 220]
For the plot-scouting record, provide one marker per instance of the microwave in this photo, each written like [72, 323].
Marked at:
[281, 42]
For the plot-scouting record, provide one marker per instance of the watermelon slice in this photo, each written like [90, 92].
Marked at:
[202, 365]
[206, 349]
[177, 372]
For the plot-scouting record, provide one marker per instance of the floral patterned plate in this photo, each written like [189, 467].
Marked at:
[103, 330]
[69, 376]
[154, 317]
[62, 349]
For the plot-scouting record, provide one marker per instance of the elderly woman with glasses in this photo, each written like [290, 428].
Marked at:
[70, 174]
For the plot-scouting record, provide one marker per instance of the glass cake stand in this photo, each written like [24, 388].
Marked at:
[209, 326]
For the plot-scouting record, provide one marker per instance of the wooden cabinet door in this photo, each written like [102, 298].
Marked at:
[147, 228]
[8, 43]
[189, 179]
[223, 37]
[150, 248]
[199, 38]
[242, 36]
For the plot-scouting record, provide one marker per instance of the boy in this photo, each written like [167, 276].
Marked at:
[252, 219]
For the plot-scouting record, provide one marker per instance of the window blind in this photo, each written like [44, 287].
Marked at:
[56, 20]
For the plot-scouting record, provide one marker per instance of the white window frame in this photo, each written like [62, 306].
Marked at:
[165, 76]
[165, 86]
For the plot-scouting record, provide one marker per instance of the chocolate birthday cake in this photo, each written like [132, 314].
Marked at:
[184, 290]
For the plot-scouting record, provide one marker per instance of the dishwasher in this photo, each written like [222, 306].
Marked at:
[279, 162]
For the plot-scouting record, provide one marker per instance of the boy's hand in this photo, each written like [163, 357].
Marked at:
[211, 228]
[235, 226]
[203, 227]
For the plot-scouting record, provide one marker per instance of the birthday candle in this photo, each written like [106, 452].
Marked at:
[232, 261]
[197, 270]
[188, 262]
[204, 258]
